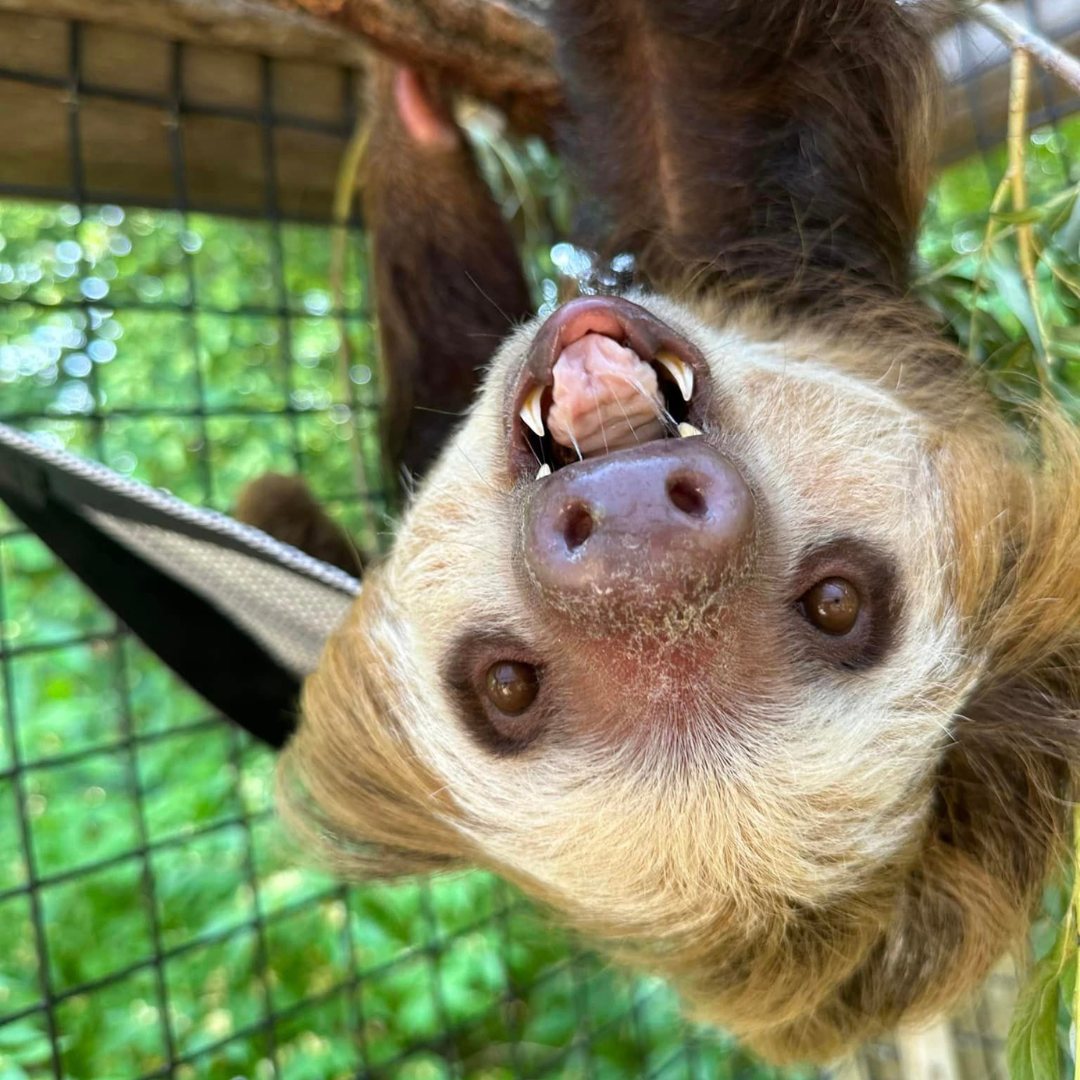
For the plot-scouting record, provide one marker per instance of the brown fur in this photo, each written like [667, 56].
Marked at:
[447, 279]
[813, 854]
[818, 116]
[284, 507]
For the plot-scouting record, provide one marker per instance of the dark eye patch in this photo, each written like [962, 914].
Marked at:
[505, 719]
[871, 624]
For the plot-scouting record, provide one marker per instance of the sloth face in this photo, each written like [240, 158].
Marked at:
[680, 635]
[662, 570]
[734, 624]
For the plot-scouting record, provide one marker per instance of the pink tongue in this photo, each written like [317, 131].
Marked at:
[604, 398]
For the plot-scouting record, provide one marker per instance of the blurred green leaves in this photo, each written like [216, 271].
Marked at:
[1024, 339]
[1041, 1043]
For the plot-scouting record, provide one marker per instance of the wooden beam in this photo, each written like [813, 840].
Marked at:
[135, 145]
[126, 142]
[271, 27]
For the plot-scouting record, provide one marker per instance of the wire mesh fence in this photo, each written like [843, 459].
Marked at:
[166, 308]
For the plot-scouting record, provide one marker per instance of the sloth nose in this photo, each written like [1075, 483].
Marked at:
[659, 526]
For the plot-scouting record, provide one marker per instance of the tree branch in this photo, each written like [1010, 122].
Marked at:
[1045, 53]
[498, 50]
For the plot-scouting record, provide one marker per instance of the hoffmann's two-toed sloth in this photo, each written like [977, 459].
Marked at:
[733, 622]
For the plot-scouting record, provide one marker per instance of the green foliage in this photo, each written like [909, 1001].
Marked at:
[1033, 1051]
[1026, 339]
[1040, 1045]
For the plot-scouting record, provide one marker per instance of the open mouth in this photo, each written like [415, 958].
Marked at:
[603, 375]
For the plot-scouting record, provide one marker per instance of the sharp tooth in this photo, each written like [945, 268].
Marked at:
[681, 372]
[687, 430]
[530, 411]
[544, 470]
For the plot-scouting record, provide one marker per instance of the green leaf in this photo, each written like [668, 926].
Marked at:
[1013, 293]
[1067, 350]
[1008, 355]
[1020, 217]
[1032, 1049]
[1068, 982]
[20, 1034]
[1067, 237]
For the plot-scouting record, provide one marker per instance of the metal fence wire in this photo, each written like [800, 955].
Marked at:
[165, 308]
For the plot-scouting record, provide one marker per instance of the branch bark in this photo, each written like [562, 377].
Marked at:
[498, 50]
[1045, 53]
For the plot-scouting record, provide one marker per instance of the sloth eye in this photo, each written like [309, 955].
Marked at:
[511, 687]
[832, 605]
[497, 683]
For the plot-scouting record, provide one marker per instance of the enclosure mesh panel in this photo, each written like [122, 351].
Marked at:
[151, 922]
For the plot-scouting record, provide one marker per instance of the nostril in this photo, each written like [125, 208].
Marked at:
[686, 495]
[577, 525]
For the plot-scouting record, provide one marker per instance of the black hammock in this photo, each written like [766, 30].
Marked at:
[237, 615]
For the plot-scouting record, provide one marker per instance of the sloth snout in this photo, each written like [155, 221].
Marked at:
[656, 526]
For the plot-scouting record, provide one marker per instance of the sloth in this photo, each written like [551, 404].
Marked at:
[734, 622]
